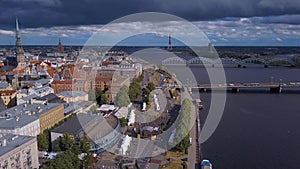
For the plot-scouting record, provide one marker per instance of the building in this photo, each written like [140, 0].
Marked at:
[127, 68]
[64, 81]
[23, 124]
[21, 59]
[40, 91]
[117, 83]
[107, 108]
[73, 96]
[122, 112]
[5, 86]
[60, 48]
[18, 152]
[50, 98]
[104, 132]
[74, 80]
[102, 79]
[9, 97]
[62, 85]
[48, 114]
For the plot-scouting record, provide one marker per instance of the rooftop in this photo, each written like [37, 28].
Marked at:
[17, 121]
[40, 90]
[7, 92]
[29, 97]
[3, 85]
[122, 112]
[23, 114]
[52, 98]
[93, 125]
[40, 81]
[70, 94]
[9, 142]
[74, 125]
[107, 107]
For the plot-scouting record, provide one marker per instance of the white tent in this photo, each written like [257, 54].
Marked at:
[131, 119]
[125, 145]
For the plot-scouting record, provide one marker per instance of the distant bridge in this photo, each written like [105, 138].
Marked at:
[235, 87]
[198, 61]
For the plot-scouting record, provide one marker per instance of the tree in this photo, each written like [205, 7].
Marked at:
[135, 90]
[85, 148]
[182, 130]
[101, 98]
[67, 159]
[123, 121]
[85, 145]
[43, 142]
[64, 143]
[122, 98]
[151, 86]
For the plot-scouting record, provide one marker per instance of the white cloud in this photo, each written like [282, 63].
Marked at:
[239, 29]
[6, 32]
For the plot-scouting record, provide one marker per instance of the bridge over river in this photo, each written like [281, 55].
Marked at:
[235, 87]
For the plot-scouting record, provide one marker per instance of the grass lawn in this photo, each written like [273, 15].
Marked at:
[174, 165]
[173, 154]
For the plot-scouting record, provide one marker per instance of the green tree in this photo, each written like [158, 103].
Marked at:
[123, 121]
[85, 145]
[122, 98]
[65, 143]
[182, 130]
[85, 148]
[43, 141]
[135, 90]
[101, 98]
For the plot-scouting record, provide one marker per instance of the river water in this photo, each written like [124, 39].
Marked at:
[258, 129]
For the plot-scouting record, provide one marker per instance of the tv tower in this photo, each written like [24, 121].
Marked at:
[170, 43]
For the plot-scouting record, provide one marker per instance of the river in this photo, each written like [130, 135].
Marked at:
[258, 129]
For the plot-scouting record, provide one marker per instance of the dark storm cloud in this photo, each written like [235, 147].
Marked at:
[47, 13]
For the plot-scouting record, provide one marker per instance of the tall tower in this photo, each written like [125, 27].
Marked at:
[19, 49]
[60, 48]
[170, 43]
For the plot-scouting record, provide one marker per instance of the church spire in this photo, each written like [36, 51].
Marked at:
[60, 48]
[17, 25]
[19, 51]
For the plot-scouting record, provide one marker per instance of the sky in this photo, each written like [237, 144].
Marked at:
[224, 22]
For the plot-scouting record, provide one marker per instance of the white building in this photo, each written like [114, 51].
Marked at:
[26, 125]
[40, 91]
[73, 96]
[19, 152]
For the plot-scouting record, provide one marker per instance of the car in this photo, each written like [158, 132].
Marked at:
[45, 155]
[190, 140]
[49, 156]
